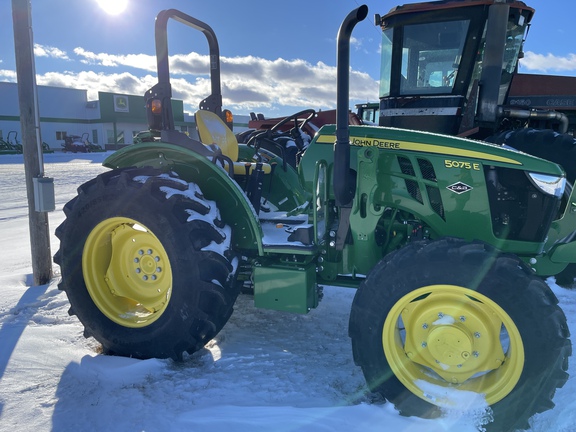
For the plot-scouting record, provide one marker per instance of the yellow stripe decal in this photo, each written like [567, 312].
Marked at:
[427, 148]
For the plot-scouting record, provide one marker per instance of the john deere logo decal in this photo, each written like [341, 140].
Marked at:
[459, 188]
[121, 103]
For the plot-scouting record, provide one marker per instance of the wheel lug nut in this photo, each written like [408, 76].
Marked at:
[440, 315]
[476, 354]
[425, 326]
[153, 277]
[477, 335]
[136, 260]
[156, 258]
[149, 251]
[424, 344]
[462, 318]
[140, 252]
[138, 270]
[158, 269]
[145, 277]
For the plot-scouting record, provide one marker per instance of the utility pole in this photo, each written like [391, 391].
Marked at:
[38, 187]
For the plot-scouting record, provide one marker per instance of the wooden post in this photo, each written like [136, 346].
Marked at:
[31, 140]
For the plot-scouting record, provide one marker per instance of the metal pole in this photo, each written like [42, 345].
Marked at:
[31, 139]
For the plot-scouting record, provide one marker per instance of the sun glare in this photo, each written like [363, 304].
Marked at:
[113, 7]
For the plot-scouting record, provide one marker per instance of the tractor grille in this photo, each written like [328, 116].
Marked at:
[414, 190]
[427, 170]
[413, 186]
[519, 210]
[435, 200]
[406, 166]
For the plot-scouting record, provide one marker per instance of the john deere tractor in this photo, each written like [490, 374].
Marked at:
[445, 239]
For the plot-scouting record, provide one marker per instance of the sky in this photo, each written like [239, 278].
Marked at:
[276, 58]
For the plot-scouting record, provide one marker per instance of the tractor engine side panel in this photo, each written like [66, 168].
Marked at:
[413, 185]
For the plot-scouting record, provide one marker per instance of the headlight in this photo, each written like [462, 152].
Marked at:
[550, 185]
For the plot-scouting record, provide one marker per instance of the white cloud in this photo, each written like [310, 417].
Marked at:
[93, 82]
[8, 75]
[356, 43]
[248, 83]
[138, 61]
[548, 62]
[49, 51]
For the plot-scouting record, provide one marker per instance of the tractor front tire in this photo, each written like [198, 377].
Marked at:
[456, 325]
[146, 264]
[543, 143]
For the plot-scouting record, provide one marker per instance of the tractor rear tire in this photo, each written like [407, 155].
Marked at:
[436, 318]
[146, 264]
[543, 143]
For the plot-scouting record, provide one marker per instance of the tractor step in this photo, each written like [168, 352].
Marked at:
[284, 232]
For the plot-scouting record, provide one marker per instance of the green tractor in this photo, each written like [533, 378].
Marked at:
[446, 240]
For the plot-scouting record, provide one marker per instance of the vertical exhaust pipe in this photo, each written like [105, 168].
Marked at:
[342, 184]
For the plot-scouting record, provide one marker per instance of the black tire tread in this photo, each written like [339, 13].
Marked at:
[212, 302]
[390, 280]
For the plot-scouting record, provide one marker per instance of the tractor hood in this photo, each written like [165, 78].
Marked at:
[461, 155]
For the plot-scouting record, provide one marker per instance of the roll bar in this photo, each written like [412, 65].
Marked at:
[163, 89]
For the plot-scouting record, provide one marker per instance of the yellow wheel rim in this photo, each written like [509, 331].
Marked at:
[127, 272]
[443, 337]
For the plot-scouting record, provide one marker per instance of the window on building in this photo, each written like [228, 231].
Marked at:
[61, 135]
[110, 136]
[120, 138]
[95, 136]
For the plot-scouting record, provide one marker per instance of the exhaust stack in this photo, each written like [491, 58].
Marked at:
[343, 190]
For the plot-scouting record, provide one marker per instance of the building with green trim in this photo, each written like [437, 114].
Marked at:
[111, 121]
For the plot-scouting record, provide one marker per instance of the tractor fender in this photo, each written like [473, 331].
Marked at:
[214, 182]
[560, 247]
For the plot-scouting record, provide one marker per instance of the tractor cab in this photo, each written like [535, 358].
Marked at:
[447, 65]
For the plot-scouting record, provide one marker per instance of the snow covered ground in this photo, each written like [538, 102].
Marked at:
[266, 371]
